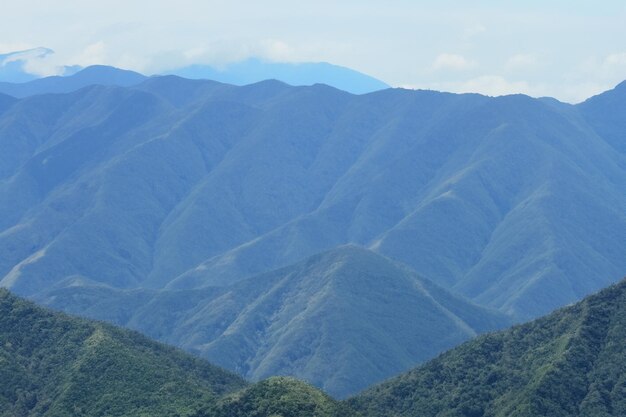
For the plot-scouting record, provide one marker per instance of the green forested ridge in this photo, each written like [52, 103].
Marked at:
[277, 397]
[55, 365]
[571, 363]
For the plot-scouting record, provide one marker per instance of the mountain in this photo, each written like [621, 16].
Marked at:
[176, 183]
[570, 363]
[55, 365]
[605, 112]
[341, 320]
[94, 75]
[255, 70]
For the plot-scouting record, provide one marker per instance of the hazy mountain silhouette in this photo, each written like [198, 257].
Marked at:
[12, 64]
[254, 70]
[94, 75]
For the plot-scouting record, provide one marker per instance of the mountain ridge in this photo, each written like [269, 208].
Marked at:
[569, 363]
[311, 312]
[53, 364]
[92, 75]
[295, 74]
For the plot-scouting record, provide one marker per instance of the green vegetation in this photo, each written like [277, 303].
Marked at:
[55, 365]
[571, 363]
[278, 397]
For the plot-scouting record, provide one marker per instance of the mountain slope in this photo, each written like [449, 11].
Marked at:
[494, 197]
[570, 363]
[55, 365]
[340, 320]
[254, 70]
[93, 75]
[176, 183]
[605, 112]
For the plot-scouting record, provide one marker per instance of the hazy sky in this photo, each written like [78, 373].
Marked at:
[567, 49]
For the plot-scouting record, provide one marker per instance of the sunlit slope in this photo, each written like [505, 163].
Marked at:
[570, 363]
[55, 365]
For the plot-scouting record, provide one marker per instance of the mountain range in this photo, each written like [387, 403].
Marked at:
[148, 197]
[254, 70]
[55, 365]
[341, 320]
[569, 363]
[17, 80]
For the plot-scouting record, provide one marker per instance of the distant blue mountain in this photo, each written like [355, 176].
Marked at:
[254, 70]
[13, 65]
[94, 75]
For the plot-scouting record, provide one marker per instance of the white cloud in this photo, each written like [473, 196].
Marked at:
[521, 62]
[6, 48]
[93, 54]
[616, 62]
[36, 61]
[491, 85]
[276, 50]
[474, 30]
[452, 62]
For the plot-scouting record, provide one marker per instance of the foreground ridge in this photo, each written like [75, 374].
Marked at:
[52, 364]
[569, 363]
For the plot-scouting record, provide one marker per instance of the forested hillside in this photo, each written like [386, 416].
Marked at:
[55, 365]
[571, 363]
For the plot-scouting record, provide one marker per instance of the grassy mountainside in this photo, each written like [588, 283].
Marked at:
[55, 365]
[341, 320]
[570, 363]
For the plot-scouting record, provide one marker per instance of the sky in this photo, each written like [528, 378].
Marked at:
[570, 50]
